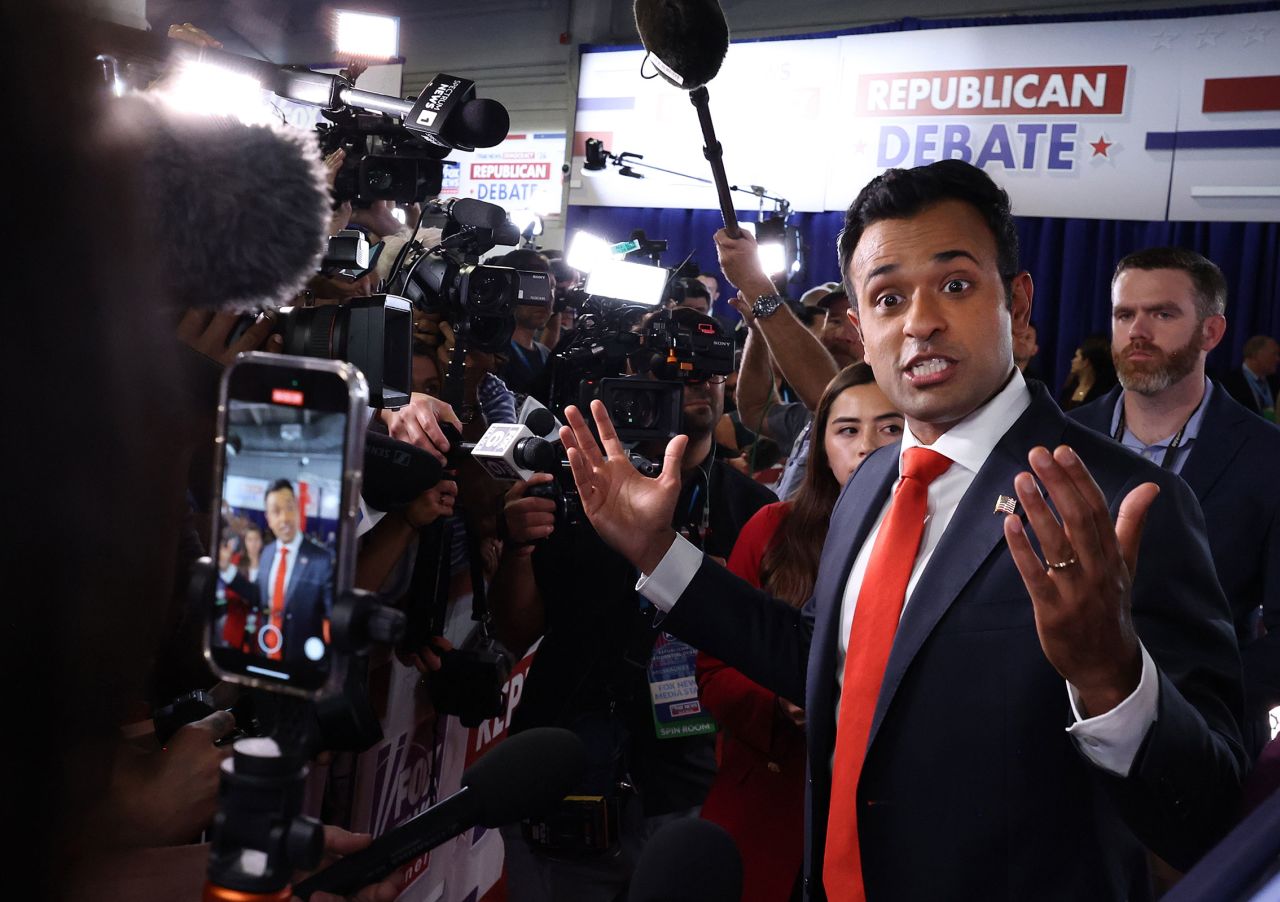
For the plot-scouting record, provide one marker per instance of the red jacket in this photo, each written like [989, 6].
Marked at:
[758, 793]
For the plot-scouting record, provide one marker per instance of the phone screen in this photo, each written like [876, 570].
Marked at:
[284, 525]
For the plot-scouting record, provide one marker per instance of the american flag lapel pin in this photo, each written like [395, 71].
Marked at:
[1005, 505]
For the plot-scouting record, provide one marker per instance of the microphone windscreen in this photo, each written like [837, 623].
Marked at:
[484, 122]
[689, 860]
[468, 211]
[688, 39]
[525, 775]
[238, 213]
[540, 421]
[395, 472]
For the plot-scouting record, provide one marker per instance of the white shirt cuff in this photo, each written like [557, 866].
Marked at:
[672, 576]
[228, 573]
[1111, 740]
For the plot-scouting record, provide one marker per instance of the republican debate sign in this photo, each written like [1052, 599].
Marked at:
[1145, 119]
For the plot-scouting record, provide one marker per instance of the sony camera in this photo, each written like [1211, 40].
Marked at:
[477, 299]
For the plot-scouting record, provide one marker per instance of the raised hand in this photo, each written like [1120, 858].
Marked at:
[1082, 592]
[631, 512]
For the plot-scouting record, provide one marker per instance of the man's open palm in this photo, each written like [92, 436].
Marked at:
[630, 511]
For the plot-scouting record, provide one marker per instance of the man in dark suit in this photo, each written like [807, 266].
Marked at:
[292, 597]
[1167, 314]
[963, 767]
[1255, 384]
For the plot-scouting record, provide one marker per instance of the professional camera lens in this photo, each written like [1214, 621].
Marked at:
[378, 179]
[488, 290]
[636, 411]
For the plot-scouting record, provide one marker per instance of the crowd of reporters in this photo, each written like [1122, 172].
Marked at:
[112, 432]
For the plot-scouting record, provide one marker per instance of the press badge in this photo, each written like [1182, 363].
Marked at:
[673, 686]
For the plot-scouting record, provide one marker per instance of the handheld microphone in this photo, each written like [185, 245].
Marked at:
[448, 113]
[522, 777]
[396, 472]
[689, 860]
[687, 41]
[512, 451]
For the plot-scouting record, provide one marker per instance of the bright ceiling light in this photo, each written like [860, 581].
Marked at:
[200, 87]
[366, 36]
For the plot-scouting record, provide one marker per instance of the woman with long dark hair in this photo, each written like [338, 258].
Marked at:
[1092, 373]
[758, 794]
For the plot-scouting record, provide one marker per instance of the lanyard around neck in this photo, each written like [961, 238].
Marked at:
[1167, 460]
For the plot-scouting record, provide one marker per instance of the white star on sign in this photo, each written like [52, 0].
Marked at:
[1165, 39]
[1257, 34]
[1208, 37]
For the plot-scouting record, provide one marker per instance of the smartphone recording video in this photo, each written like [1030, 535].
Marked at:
[284, 532]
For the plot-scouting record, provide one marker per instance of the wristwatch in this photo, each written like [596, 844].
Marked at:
[766, 305]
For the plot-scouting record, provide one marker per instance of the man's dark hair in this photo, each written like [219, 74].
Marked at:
[522, 258]
[278, 485]
[1206, 278]
[902, 193]
[695, 289]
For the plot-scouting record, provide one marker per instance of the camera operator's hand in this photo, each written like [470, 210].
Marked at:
[528, 519]
[206, 331]
[418, 423]
[431, 505]
[630, 511]
[339, 843]
[167, 796]
[340, 218]
[426, 660]
[377, 218]
[740, 260]
[190, 34]
[333, 164]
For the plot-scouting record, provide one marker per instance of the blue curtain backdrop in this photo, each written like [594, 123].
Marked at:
[1071, 260]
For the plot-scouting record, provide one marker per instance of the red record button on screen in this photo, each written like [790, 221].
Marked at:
[289, 396]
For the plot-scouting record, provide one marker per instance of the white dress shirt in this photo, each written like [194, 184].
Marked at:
[1110, 740]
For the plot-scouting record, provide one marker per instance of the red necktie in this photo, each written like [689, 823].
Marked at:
[277, 604]
[875, 620]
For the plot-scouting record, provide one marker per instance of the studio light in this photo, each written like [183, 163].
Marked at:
[365, 36]
[200, 87]
[587, 251]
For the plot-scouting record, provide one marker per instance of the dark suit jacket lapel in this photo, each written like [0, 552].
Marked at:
[299, 567]
[974, 533]
[1216, 443]
[851, 521]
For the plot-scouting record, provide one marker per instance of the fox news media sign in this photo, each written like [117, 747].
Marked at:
[1148, 120]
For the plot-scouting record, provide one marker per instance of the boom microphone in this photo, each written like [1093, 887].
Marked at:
[238, 214]
[687, 39]
[522, 777]
[689, 860]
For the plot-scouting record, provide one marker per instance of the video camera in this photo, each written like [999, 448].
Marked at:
[477, 299]
[384, 161]
[663, 351]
